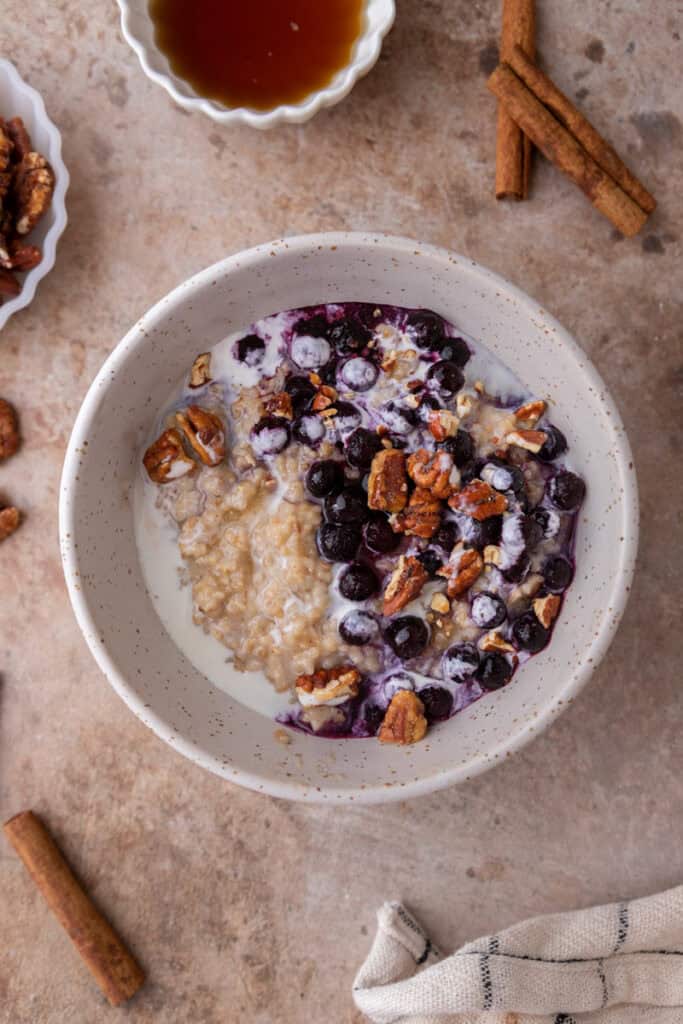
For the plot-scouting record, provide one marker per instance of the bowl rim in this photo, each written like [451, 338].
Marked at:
[135, 339]
[295, 113]
[58, 205]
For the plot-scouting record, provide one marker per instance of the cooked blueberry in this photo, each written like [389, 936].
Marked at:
[461, 447]
[517, 570]
[325, 477]
[398, 418]
[428, 403]
[529, 634]
[301, 391]
[358, 582]
[328, 372]
[379, 537]
[359, 374]
[557, 574]
[487, 610]
[548, 520]
[446, 536]
[494, 671]
[438, 703]
[250, 350]
[566, 490]
[348, 335]
[531, 530]
[270, 435]
[455, 350]
[555, 444]
[460, 662]
[358, 627]
[338, 542]
[478, 533]
[425, 328]
[349, 505]
[309, 353]
[347, 419]
[407, 636]
[361, 447]
[468, 473]
[308, 430]
[314, 326]
[431, 561]
[503, 477]
[447, 377]
[373, 716]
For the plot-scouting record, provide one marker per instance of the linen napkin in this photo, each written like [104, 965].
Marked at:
[616, 964]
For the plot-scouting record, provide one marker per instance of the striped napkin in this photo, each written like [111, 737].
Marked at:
[616, 964]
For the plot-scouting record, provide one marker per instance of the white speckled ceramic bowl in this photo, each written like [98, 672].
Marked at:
[101, 562]
[17, 99]
[138, 30]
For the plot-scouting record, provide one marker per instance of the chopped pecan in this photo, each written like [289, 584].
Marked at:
[493, 555]
[529, 440]
[9, 430]
[388, 484]
[530, 413]
[479, 500]
[166, 459]
[200, 374]
[399, 363]
[10, 518]
[546, 609]
[33, 187]
[442, 424]
[465, 404]
[9, 286]
[441, 604]
[404, 721]
[463, 568]
[407, 580]
[280, 405]
[330, 686]
[204, 432]
[421, 517]
[432, 470]
[325, 398]
[495, 641]
[21, 140]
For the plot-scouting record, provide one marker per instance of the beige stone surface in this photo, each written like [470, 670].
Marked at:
[244, 908]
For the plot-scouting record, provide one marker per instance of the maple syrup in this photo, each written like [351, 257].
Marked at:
[256, 53]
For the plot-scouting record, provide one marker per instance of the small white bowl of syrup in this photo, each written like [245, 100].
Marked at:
[259, 62]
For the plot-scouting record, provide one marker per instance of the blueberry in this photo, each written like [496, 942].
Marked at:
[308, 430]
[566, 490]
[358, 628]
[428, 403]
[270, 435]
[430, 561]
[446, 536]
[398, 418]
[348, 335]
[532, 531]
[460, 662]
[438, 703]
[309, 353]
[461, 447]
[555, 444]
[359, 374]
[347, 419]
[455, 350]
[447, 377]
[325, 477]
[361, 447]
[407, 636]
[425, 328]
[503, 477]
[250, 350]
[548, 520]
[373, 716]
[494, 671]
[478, 533]
[302, 392]
[557, 574]
[529, 634]
[314, 326]
[487, 610]
[379, 537]
[358, 582]
[338, 543]
[349, 505]
[517, 570]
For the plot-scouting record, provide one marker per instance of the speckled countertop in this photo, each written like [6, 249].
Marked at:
[243, 908]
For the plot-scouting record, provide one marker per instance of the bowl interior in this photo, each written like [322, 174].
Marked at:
[98, 539]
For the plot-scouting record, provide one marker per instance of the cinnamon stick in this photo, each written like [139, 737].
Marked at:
[115, 971]
[577, 125]
[513, 148]
[562, 149]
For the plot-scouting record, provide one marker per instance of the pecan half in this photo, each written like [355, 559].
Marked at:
[9, 430]
[404, 721]
[479, 500]
[495, 641]
[6, 148]
[530, 413]
[23, 257]
[529, 440]
[432, 470]
[9, 286]
[421, 517]
[21, 140]
[388, 484]
[166, 460]
[10, 518]
[407, 580]
[33, 187]
[330, 686]
[546, 609]
[462, 569]
[200, 374]
[442, 424]
[204, 432]
[280, 405]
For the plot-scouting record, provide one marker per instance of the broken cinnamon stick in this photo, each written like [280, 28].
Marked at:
[562, 149]
[115, 971]
[513, 148]
[545, 90]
